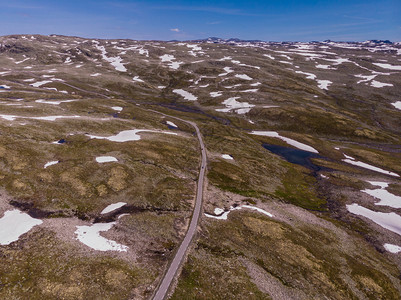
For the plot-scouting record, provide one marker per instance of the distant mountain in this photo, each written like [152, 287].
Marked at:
[218, 40]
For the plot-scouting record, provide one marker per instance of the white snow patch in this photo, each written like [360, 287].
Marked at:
[218, 211]
[117, 108]
[390, 221]
[365, 78]
[52, 118]
[392, 248]
[238, 107]
[116, 62]
[249, 91]
[127, 135]
[378, 84]
[289, 141]
[308, 75]
[105, 159]
[171, 124]
[112, 207]
[48, 118]
[169, 58]
[136, 78]
[50, 163]
[388, 66]
[327, 67]
[386, 198]
[53, 102]
[40, 83]
[243, 76]
[227, 71]
[218, 94]
[185, 94]
[95, 74]
[224, 215]
[269, 56]
[323, 84]
[19, 62]
[15, 223]
[352, 161]
[227, 156]
[397, 105]
[90, 236]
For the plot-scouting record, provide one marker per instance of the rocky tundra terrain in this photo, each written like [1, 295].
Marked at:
[302, 192]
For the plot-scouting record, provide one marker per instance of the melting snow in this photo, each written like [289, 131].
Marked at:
[20, 62]
[112, 207]
[249, 91]
[397, 104]
[366, 78]
[40, 83]
[185, 94]
[117, 108]
[136, 78]
[225, 214]
[53, 102]
[392, 248]
[49, 118]
[238, 107]
[385, 197]
[308, 75]
[127, 135]
[169, 58]
[90, 236]
[327, 67]
[104, 159]
[216, 94]
[388, 66]
[323, 84]
[15, 223]
[169, 123]
[390, 221]
[243, 76]
[269, 56]
[227, 71]
[378, 84]
[289, 141]
[116, 62]
[50, 163]
[352, 161]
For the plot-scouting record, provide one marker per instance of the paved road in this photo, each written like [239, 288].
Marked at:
[179, 256]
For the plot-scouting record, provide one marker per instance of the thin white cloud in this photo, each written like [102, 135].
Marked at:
[175, 30]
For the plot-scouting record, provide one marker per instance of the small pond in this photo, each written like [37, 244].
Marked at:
[296, 156]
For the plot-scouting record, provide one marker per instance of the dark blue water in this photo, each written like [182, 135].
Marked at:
[295, 156]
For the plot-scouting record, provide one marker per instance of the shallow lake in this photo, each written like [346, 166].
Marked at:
[296, 156]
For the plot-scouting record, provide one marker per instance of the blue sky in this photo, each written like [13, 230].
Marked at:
[275, 20]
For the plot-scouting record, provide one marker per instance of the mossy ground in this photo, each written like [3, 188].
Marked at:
[240, 258]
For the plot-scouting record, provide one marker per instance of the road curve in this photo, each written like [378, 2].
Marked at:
[161, 292]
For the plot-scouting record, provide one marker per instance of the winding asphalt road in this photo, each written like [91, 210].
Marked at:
[161, 292]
